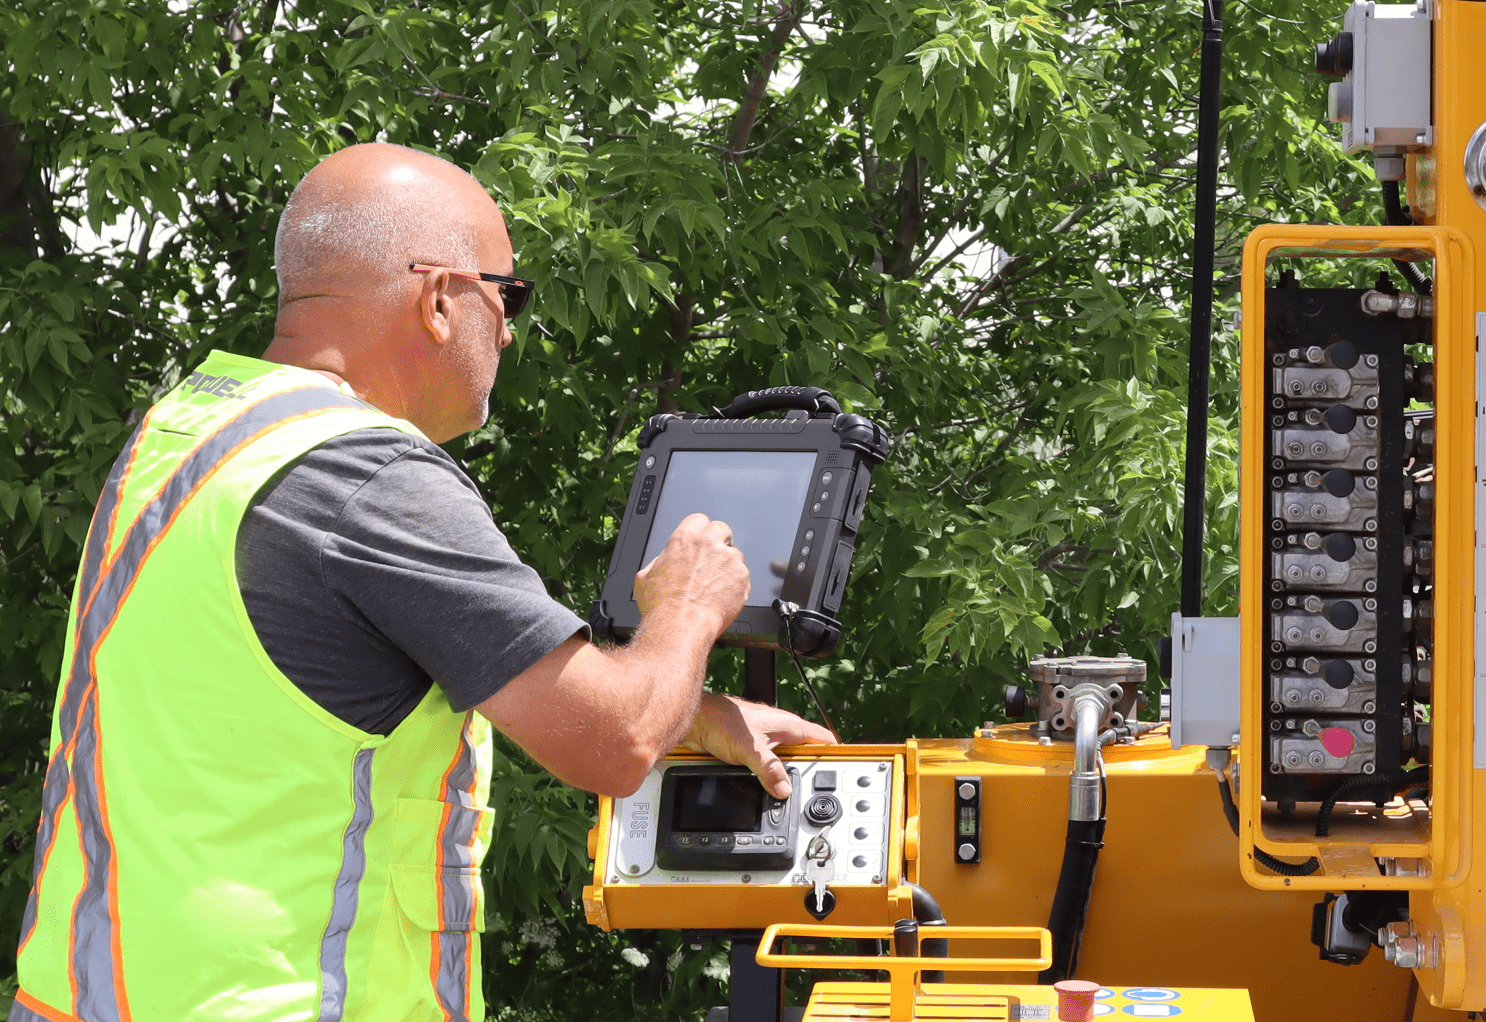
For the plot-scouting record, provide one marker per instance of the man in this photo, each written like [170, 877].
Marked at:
[295, 620]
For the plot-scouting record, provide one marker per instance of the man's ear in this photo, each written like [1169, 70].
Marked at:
[436, 306]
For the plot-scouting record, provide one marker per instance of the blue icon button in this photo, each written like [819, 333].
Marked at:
[1151, 994]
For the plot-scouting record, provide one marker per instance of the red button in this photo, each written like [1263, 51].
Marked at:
[1338, 741]
[1076, 1000]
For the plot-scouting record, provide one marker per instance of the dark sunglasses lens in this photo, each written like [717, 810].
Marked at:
[514, 298]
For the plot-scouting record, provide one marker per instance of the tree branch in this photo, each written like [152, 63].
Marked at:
[784, 25]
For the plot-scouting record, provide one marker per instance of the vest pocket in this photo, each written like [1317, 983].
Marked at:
[435, 875]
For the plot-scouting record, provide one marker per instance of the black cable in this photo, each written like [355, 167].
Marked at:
[1396, 216]
[1199, 351]
[1269, 862]
[786, 612]
[1389, 783]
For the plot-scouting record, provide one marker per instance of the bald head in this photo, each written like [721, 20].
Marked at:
[359, 218]
[423, 346]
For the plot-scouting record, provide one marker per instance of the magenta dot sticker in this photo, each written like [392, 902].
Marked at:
[1338, 741]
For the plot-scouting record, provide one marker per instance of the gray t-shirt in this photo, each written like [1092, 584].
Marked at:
[371, 568]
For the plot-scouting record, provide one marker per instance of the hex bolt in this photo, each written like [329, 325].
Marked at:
[1319, 449]
[1292, 759]
[1406, 953]
[1295, 448]
[1424, 558]
[1294, 634]
[1317, 758]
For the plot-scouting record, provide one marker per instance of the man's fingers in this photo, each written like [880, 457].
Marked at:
[714, 529]
[770, 772]
[803, 732]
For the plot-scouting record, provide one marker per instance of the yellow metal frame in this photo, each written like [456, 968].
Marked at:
[1347, 860]
[903, 972]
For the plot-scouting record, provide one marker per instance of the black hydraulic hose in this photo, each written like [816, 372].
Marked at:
[1397, 216]
[1269, 862]
[1199, 352]
[928, 913]
[1071, 901]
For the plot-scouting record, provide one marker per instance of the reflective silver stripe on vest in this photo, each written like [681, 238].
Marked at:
[347, 895]
[20, 1013]
[93, 965]
[58, 775]
[93, 924]
[456, 887]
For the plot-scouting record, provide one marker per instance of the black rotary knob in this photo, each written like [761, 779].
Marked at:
[1016, 702]
[1334, 57]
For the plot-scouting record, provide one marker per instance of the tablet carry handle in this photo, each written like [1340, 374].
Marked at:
[815, 400]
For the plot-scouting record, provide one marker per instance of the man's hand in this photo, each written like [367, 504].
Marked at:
[699, 572]
[745, 733]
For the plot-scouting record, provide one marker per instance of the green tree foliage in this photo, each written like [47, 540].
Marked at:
[714, 197]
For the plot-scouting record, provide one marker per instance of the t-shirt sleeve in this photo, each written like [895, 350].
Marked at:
[417, 551]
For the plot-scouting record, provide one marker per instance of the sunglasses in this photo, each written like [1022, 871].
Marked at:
[515, 291]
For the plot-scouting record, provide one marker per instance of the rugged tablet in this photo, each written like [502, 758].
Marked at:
[793, 489]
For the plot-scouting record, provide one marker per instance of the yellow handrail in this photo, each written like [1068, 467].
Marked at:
[903, 972]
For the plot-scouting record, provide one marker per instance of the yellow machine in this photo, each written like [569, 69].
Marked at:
[1337, 716]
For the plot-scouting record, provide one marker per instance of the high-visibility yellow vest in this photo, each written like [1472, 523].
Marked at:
[214, 845]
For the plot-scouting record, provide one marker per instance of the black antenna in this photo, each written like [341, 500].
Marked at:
[1200, 351]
